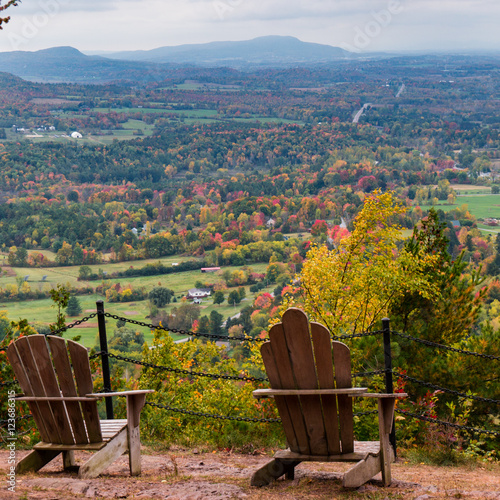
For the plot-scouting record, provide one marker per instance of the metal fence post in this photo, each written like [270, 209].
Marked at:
[103, 341]
[389, 389]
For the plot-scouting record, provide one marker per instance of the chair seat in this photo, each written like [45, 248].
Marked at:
[361, 450]
[109, 429]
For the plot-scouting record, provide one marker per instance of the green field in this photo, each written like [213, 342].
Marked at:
[482, 206]
[42, 312]
[463, 189]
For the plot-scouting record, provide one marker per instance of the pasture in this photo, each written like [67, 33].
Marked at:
[43, 312]
[482, 206]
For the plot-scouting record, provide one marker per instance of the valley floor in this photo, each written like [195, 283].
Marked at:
[189, 474]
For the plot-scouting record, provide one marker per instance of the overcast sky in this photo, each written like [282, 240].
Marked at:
[361, 25]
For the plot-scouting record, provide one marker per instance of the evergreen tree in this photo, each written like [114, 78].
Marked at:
[74, 308]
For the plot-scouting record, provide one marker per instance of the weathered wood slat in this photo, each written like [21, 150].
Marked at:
[83, 378]
[342, 364]
[273, 375]
[65, 376]
[69, 447]
[296, 328]
[298, 439]
[353, 391]
[54, 398]
[324, 366]
[31, 369]
[98, 395]
[395, 395]
[22, 378]
[39, 348]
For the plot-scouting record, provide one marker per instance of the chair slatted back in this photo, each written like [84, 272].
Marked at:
[299, 357]
[44, 372]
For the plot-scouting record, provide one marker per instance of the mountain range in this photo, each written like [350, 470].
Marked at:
[262, 51]
[67, 64]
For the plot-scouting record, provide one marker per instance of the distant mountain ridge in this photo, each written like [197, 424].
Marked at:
[67, 64]
[261, 51]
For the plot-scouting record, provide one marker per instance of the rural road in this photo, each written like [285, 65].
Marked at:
[358, 115]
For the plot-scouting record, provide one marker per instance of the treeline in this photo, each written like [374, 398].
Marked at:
[157, 269]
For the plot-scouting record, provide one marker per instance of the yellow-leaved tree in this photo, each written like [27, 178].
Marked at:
[352, 287]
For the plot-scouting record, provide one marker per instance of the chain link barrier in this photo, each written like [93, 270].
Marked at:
[445, 347]
[212, 336]
[181, 371]
[17, 419]
[229, 417]
[444, 389]
[474, 430]
[10, 382]
[72, 325]
[186, 333]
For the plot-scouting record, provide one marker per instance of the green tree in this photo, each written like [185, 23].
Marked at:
[84, 273]
[233, 298]
[72, 196]
[215, 327]
[451, 317]
[161, 296]
[60, 297]
[218, 297]
[494, 267]
[204, 325]
[74, 308]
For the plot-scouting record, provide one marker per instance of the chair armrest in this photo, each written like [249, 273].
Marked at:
[269, 393]
[98, 395]
[54, 398]
[394, 395]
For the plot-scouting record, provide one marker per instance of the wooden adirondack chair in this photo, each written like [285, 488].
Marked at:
[47, 369]
[314, 399]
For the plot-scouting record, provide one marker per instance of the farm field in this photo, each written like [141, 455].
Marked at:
[69, 274]
[42, 312]
[482, 206]
[464, 189]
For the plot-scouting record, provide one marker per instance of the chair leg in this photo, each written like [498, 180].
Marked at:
[385, 418]
[135, 403]
[273, 470]
[362, 472]
[35, 460]
[69, 462]
[104, 457]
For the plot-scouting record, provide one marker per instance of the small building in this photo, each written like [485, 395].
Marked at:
[76, 135]
[210, 269]
[198, 293]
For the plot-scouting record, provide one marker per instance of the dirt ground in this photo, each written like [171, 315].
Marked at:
[189, 475]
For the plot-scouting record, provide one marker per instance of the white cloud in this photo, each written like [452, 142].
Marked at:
[144, 24]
